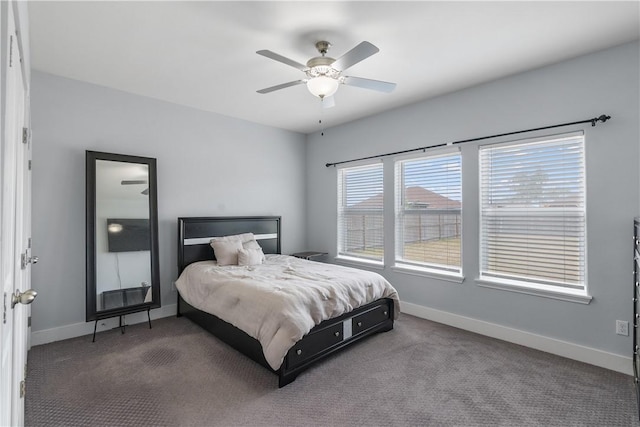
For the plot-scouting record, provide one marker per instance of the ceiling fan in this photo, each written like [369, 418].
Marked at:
[324, 74]
[136, 182]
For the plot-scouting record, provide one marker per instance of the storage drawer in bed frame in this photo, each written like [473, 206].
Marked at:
[314, 343]
[371, 318]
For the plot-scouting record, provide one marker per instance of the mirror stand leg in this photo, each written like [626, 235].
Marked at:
[149, 317]
[94, 331]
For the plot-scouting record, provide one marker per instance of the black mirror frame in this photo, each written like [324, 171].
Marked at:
[91, 298]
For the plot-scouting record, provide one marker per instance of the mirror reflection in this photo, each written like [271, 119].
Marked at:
[122, 242]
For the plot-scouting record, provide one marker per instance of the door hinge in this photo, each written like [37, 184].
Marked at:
[10, 51]
[29, 165]
[25, 135]
[4, 309]
[23, 388]
[29, 239]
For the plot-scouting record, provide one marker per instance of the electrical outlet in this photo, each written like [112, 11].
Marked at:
[622, 327]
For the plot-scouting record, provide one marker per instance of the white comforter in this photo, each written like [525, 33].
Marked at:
[278, 302]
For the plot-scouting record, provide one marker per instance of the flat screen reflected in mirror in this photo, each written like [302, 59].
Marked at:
[122, 271]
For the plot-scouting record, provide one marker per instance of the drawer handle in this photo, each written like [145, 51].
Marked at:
[359, 323]
[298, 352]
[336, 333]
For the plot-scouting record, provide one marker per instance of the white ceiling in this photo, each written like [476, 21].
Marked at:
[202, 54]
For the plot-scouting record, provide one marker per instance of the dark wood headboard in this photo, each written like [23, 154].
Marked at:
[194, 234]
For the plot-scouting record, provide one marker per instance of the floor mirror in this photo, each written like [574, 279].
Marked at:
[121, 236]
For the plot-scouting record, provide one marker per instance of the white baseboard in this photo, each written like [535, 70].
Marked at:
[85, 328]
[589, 355]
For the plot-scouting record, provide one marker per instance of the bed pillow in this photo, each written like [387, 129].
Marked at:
[226, 251]
[244, 237]
[250, 256]
[253, 244]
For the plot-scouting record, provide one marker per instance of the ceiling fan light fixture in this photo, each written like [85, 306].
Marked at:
[322, 86]
[324, 74]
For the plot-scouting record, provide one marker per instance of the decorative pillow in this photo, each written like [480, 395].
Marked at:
[250, 256]
[226, 251]
[253, 244]
[230, 259]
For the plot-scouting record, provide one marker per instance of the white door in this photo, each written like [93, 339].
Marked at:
[14, 229]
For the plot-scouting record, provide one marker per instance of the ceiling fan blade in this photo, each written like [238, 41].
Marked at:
[280, 86]
[378, 85]
[133, 181]
[284, 60]
[328, 102]
[355, 55]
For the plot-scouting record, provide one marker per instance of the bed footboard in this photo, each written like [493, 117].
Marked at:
[322, 341]
[333, 335]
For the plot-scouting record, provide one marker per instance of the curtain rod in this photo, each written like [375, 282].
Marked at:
[603, 118]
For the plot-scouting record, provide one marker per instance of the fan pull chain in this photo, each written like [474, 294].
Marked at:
[321, 114]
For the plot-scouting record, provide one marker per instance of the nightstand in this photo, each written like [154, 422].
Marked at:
[310, 255]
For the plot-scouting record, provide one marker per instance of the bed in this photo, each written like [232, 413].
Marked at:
[321, 340]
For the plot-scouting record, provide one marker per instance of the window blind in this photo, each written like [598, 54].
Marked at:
[428, 212]
[533, 211]
[360, 212]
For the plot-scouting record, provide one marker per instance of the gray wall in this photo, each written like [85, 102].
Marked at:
[606, 82]
[208, 165]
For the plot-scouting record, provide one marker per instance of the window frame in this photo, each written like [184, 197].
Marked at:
[430, 269]
[342, 254]
[529, 285]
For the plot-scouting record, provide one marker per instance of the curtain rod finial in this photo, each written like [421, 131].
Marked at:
[603, 118]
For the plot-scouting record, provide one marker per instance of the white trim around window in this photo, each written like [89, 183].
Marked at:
[428, 214]
[533, 216]
[361, 214]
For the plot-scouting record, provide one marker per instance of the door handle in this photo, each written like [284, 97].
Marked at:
[25, 297]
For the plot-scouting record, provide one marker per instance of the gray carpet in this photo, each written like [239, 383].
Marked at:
[420, 374]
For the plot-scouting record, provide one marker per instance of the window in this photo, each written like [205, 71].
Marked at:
[428, 213]
[533, 213]
[360, 213]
